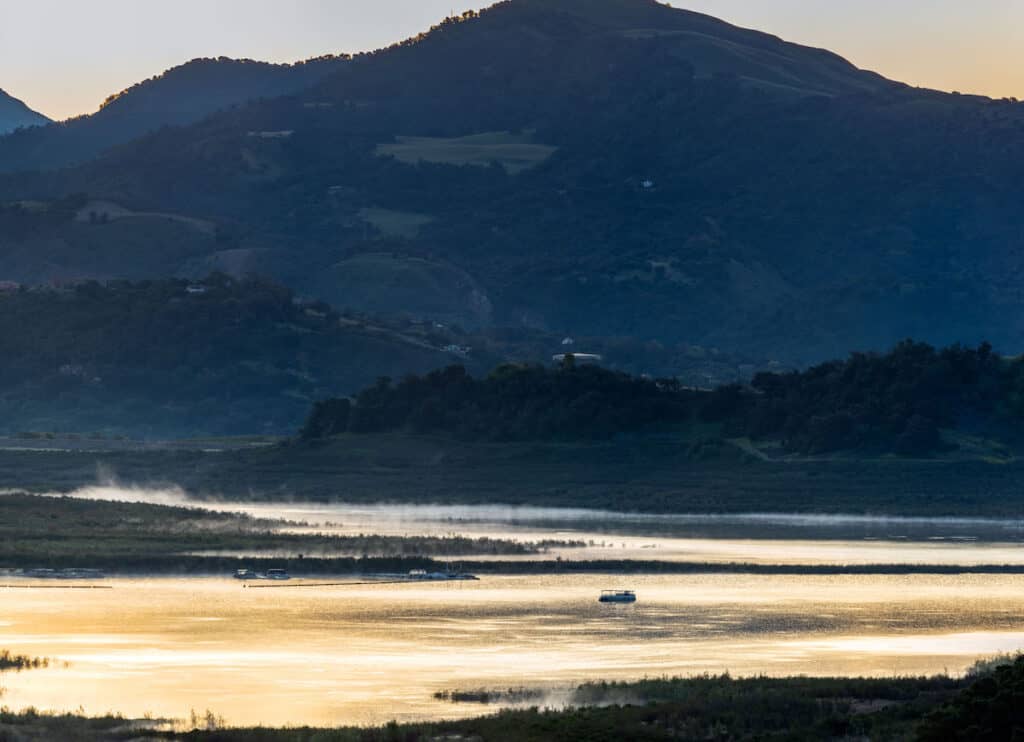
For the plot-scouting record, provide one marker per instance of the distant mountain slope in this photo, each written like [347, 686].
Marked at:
[14, 114]
[178, 97]
[601, 168]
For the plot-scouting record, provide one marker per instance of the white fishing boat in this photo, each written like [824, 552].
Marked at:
[270, 574]
[617, 596]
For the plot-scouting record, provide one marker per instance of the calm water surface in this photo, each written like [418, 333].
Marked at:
[369, 654]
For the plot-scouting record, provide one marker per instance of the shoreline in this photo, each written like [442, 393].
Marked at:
[380, 567]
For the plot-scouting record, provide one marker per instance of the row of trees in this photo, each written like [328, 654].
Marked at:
[896, 402]
[512, 403]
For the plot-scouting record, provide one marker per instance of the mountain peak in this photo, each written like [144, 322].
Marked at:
[551, 29]
[14, 114]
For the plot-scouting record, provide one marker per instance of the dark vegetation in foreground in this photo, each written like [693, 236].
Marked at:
[896, 402]
[983, 706]
[723, 708]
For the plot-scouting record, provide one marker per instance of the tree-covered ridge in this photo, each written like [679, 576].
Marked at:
[883, 403]
[512, 403]
[895, 402]
[175, 358]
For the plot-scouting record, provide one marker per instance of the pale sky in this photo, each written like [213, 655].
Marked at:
[63, 57]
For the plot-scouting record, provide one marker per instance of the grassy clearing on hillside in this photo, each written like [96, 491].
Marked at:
[515, 152]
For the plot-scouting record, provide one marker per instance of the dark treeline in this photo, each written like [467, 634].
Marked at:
[982, 706]
[512, 403]
[897, 402]
[700, 708]
[989, 709]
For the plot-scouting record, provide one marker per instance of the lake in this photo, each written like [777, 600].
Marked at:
[366, 654]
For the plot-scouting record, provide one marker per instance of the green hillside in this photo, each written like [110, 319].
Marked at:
[606, 169]
[172, 358]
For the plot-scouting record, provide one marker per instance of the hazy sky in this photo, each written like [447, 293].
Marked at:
[63, 57]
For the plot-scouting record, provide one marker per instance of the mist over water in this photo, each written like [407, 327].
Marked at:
[109, 488]
[755, 538]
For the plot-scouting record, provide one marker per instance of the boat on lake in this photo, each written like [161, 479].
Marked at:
[617, 596]
[270, 574]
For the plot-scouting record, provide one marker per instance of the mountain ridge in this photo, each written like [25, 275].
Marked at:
[179, 96]
[609, 169]
[15, 114]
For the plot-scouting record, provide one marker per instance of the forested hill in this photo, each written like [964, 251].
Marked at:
[14, 114]
[170, 358]
[912, 401]
[179, 96]
[601, 168]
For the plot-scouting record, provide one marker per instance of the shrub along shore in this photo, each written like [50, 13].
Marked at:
[984, 705]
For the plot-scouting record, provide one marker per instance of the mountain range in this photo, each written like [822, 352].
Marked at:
[178, 97]
[607, 168]
[14, 114]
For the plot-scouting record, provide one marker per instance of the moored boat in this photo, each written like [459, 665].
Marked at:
[270, 574]
[617, 596]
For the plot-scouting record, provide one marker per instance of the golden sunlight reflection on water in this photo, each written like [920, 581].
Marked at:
[369, 654]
